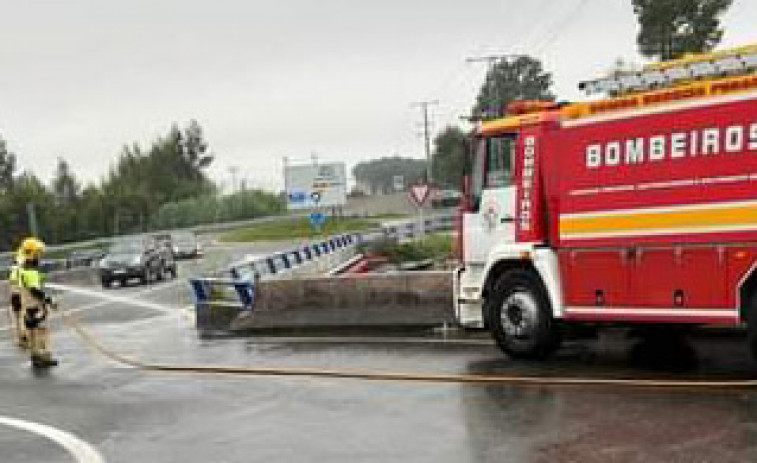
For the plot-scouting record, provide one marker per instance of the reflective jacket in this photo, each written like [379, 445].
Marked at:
[14, 282]
[30, 284]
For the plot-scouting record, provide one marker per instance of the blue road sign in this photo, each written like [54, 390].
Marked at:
[317, 219]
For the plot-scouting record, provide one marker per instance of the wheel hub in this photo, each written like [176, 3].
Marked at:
[519, 313]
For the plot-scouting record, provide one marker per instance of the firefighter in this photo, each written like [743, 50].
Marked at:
[36, 305]
[20, 336]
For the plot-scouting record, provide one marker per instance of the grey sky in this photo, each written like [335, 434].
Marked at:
[272, 79]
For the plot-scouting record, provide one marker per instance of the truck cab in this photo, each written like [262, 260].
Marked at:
[640, 208]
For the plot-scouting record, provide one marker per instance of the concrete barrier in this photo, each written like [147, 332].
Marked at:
[375, 300]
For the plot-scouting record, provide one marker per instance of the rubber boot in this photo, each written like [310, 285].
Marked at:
[41, 356]
[43, 361]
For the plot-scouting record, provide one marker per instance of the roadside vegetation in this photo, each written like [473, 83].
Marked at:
[292, 228]
[161, 185]
[436, 247]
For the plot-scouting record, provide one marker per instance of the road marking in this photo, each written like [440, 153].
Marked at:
[124, 300]
[110, 298]
[80, 450]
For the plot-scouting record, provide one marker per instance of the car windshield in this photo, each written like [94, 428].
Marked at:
[126, 247]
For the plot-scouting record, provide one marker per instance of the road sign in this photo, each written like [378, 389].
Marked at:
[317, 218]
[313, 186]
[398, 182]
[419, 194]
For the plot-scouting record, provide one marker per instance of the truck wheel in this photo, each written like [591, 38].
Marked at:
[160, 274]
[520, 316]
[105, 282]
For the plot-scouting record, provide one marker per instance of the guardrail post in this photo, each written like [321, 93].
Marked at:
[285, 259]
[246, 293]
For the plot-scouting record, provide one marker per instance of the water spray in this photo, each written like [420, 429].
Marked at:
[112, 298]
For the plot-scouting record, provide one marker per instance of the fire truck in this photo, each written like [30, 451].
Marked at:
[639, 207]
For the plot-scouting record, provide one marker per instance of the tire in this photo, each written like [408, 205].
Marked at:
[145, 277]
[520, 316]
[160, 274]
[106, 282]
[174, 272]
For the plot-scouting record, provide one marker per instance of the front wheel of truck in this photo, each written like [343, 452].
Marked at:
[520, 316]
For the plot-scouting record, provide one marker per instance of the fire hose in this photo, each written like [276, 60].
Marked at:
[366, 375]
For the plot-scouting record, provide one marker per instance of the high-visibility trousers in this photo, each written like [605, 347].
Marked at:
[36, 319]
[16, 312]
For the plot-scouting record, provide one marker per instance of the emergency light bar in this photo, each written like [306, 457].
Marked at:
[740, 61]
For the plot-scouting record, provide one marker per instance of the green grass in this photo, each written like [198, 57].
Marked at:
[437, 247]
[295, 228]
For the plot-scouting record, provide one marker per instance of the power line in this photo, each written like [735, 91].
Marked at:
[561, 26]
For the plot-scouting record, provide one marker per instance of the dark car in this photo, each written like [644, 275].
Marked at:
[185, 245]
[135, 258]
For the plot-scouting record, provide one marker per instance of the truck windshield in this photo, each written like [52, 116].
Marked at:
[491, 165]
[498, 160]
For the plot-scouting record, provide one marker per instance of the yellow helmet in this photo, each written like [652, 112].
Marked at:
[31, 248]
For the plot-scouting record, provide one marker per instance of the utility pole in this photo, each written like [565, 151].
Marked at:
[233, 171]
[492, 61]
[423, 105]
[31, 213]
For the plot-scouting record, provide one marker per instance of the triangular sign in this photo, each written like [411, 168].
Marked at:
[419, 194]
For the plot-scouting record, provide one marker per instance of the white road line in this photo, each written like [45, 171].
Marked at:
[123, 300]
[80, 450]
[110, 298]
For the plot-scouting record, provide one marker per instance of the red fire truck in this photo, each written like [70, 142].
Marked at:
[637, 208]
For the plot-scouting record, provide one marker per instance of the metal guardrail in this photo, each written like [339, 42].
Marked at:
[234, 287]
[411, 228]
[241, 277]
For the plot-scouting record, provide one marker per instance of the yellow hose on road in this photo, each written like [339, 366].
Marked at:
[481, 379]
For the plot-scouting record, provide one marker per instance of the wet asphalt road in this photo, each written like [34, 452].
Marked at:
[133, 416]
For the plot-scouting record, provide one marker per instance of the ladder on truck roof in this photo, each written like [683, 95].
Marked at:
[731, 62]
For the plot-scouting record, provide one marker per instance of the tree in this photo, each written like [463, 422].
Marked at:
[65, 186]
[668, 29]
[195, 149]
[521, 78]
[448, 161]
[377, 176]
[7, 167]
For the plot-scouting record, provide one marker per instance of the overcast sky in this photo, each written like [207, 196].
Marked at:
[80, 78]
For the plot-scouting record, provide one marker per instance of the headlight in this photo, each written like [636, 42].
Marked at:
[136, 260]
[104, 263]
[175, 250]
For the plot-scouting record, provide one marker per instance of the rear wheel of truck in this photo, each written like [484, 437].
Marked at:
[520, 316]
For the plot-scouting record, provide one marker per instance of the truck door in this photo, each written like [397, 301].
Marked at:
[492, 199]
